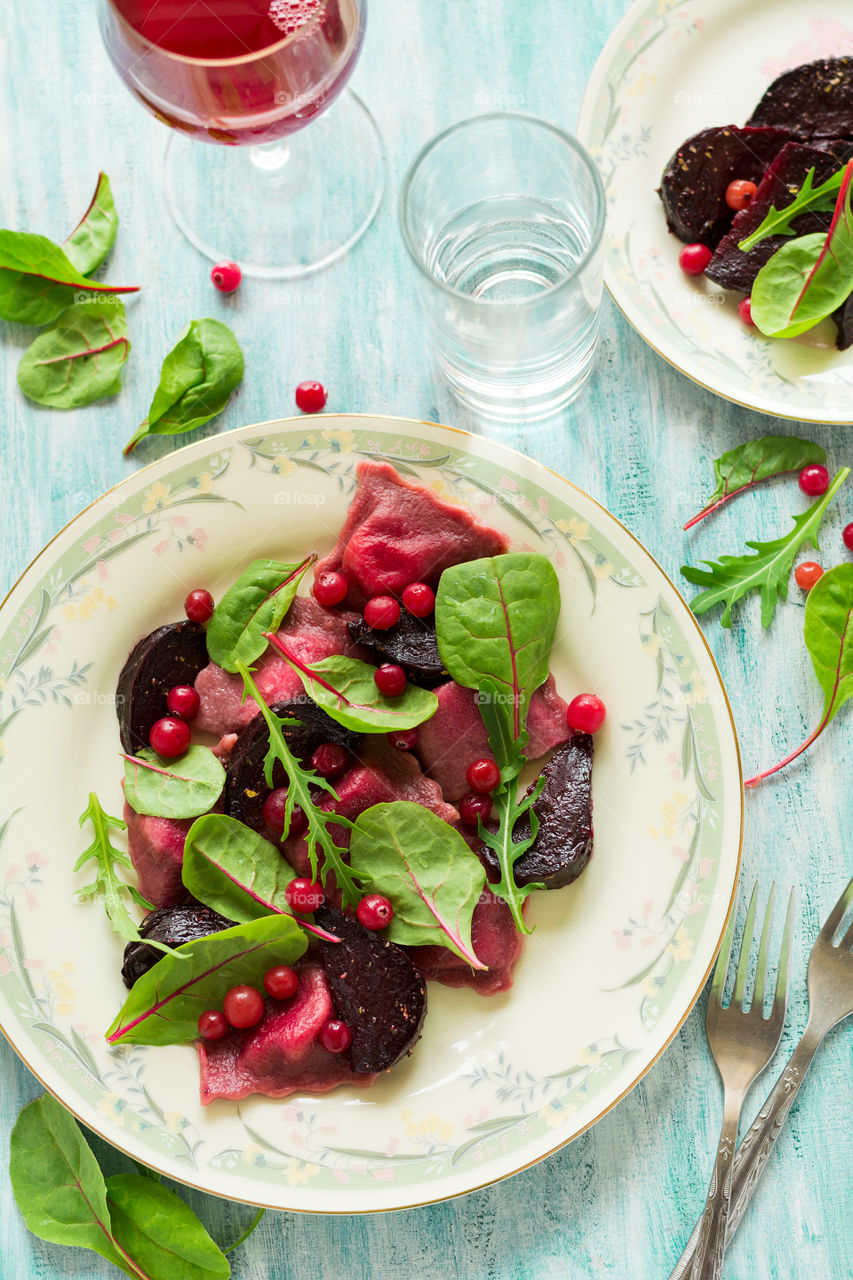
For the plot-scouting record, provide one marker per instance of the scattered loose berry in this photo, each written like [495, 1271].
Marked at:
[390, 680]
[335, 1036]
[183, 701]
[243, 1006]
[586, 713]
[405, 739]
[483, 775]
[273, 814]
[330, 588]
[814, 480]
[847, 535]
[281, 982]
[212, 1025]
[226, 276]
[473, 806]
[169, 737]
[310, 397]
[330, 760]
[304, 895]
[374, 911]
[419, 599]
[382, 612]
[198, 606]
[807, 574]
[744, 310]
[694, 258]
[739, 193]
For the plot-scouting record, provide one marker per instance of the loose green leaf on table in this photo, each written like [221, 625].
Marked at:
[257, 602]
[78, 358]
[809, 199]
[748, 464]
[767, 569]
[93, 237]
[182, 788]
[165, 1003]
[196, 381]
[160, 1231]
[37, 280]
[425, 869]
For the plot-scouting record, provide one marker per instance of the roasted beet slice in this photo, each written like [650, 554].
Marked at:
[172, 926]
[814, 100]
[693, 187]
[171, 655]
[411, 642]
[376, 990]
[843, 318]
[245, 785]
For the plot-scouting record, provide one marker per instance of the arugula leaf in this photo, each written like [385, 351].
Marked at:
[37, 281]
[93, 237]
[257, 602]
[196, 381]
[78, 358]
[159, 1230]
[809, 199]
[425, 869]
[165, 1003]
[346, 690]
[766, 570]
[748, 464]
[181, 788]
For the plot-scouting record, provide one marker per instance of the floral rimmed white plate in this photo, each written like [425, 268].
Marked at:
[616, 961]
[671, 68]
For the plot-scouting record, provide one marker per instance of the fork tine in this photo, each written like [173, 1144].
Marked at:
[761, 967]
[833, 920]
[745, 948]
[722, 965]
[847, 941]
[780, 998]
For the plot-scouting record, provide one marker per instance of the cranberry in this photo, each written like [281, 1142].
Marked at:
[304, 895]
[243, 1006]
[183, 701]
[473, 806]
[381, 613]
[169, 737]
[419, 599]
[390, 680]
[814, 480]
[226, 276]
[330, 588]
[807, 574]
[375, 911]
[281, 982]
[847, 535]
[405, 739]
[586, 713]
[212, 1025]
[483, 775]
[329, 760]
[273, 814]
[310, 397]
[744, 310]
[198, 606]
[694, 258]
[335, 1036]
[739, 193]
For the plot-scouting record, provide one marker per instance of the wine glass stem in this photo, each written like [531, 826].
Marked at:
[271, 161]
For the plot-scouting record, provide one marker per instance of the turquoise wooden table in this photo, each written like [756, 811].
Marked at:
[620, 1201]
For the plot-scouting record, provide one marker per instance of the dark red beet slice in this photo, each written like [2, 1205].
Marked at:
[171, 655]
[843, 318]
[172, 926]
[814, 100]
[245, 785]
[376, 989]
[410, 642]
[693, 187]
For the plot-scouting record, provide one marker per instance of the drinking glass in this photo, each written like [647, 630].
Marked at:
[249, 76]
[503, 217]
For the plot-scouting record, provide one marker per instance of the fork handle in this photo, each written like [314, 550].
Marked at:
[707, 1260]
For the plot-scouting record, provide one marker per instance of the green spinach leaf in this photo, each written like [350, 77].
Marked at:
[748, 464]
[37, 281]
[93, 237]
[78, 358]
[182, 788]
[257, 602]
[160, 1232]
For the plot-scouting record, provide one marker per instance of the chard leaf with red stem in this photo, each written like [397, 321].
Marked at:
[38, 282]
[256, 603]
[747, 465]
[93, 237]
[183, 788]
[78, 358]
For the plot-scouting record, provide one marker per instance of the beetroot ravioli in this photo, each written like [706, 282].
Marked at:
[336, 837]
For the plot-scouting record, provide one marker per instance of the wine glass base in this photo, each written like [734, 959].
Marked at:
[285, 209]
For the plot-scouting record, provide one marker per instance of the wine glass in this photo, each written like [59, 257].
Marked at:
[249, 75]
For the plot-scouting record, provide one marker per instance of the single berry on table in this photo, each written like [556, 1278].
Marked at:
[183, 701]
[390, 680]
[226, 276]
[169, 737]
[330, 760]
[405, 739]
[281, 982]
[382, 612]
[198, 606]
[304, 895]
[586, 713]
[814, 480]
[474, 805]
[847, 536]
[374, 911]
[243, 1006]
[330, 588]
[739, 193]
[694, 258]
[335, 1036]
[212, 1025]
[483, 775]
[807, 574]
[311, 397]
[744, 310]
[419, 599]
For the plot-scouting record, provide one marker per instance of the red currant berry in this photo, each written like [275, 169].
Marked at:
[744, 310]
[814, 480]
[419, 599]
[381, 612]
[807, 574]
[330, 760]
[739, 193]
[847, 535]
[374, 911]
[304, 895]
[694, 258]
[335, 1036]
[473, 806]
[198, 606]
[390, 680]
[273, 814]
[243, 1006]
[404, 739]
[281, 982]
[212, 1025]
[226, 276]
[310, 397]
[585, 713]
[330, 588]
[169, 737]
[483, 775]
[183, 701]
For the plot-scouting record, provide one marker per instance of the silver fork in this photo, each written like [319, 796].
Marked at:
[830, 985]
[742, 1041]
